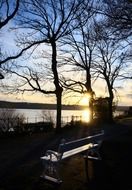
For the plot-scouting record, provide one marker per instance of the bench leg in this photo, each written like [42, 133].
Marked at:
[51, 173]
[86, 168]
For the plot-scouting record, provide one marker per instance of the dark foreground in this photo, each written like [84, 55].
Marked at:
[20, 165]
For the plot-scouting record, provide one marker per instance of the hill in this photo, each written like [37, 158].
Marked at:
[27, 105]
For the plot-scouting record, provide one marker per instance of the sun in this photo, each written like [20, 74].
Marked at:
[86, 115]
[85, 100]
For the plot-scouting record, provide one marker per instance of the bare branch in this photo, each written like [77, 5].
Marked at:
[22, 51]
[9, 15]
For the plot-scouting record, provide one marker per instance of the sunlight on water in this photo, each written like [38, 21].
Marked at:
[86, 115]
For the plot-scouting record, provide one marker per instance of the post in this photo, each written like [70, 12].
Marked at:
[86, 168]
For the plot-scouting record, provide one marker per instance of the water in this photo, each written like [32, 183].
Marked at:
[36, 115]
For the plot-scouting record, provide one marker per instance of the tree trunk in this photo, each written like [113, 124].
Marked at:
[91, 106]
[59, 108]
[110, 104]
[58, 88]
[110, 113]
[90, 92]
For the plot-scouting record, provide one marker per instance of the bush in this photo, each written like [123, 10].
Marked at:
[48, 116]
[38, 127]
[101, 109]
[11, 121]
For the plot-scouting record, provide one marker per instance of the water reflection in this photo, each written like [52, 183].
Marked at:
[86, 115]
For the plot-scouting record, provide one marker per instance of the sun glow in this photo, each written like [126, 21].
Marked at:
[86, 115]
[85, 100]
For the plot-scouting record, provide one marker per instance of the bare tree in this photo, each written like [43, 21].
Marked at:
[118, 21]
[47, 21]
[82, 43]
[110, 64]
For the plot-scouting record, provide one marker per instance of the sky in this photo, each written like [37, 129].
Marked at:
[123, 94]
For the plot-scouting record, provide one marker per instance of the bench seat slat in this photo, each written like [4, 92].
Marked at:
[76, 150]
[68, 153]
[79, 143]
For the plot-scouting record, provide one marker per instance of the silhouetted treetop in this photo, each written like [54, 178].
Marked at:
[119, 14]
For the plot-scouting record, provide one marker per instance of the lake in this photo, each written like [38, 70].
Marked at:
[38, 115]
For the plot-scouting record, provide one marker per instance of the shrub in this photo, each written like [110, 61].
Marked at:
[11, 121]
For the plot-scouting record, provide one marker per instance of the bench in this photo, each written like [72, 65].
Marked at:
[51, 160]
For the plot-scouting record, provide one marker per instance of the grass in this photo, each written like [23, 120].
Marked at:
[20, 165]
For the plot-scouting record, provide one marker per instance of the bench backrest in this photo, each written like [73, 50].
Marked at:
[67, 146]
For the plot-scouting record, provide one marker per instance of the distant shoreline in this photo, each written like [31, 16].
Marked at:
[27, 105]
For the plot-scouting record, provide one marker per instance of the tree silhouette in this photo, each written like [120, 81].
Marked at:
[119, 17]
[82, 58]
[47, 22]
[110, 63]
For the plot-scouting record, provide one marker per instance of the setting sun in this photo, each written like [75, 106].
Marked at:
[85, 99]
[86, 115]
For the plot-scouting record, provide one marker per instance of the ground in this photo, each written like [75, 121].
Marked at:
[21, 167]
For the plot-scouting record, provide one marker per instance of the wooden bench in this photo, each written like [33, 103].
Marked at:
[51, 160]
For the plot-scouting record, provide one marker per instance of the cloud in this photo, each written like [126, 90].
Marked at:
[125, 93]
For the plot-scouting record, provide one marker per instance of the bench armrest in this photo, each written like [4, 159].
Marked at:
[48, 152]
[53, 155]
